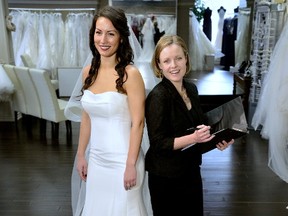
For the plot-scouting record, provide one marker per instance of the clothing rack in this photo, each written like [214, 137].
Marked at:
[63, 11]
[245, 11]
[267, 26]
[54, 9]
[151, 14]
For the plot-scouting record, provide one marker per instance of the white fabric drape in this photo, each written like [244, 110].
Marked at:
[50, 39]
[272, 109]
[6, 85]
[242, 37]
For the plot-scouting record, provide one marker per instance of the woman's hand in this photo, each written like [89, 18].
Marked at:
[130, 177]
[82, 168]
[223, 145]
[202, 134]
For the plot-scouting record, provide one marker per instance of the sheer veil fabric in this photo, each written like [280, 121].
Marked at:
[73, 112]
[272, 109]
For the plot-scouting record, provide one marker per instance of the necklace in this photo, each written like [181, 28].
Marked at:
[185, 98]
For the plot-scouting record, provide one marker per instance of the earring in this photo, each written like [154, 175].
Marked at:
[161, 73]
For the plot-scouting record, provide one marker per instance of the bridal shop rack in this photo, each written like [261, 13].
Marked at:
[268, 22]
[52, 10]
[60, 35]
[63, 11]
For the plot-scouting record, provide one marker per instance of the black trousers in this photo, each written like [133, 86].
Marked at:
[176, 196]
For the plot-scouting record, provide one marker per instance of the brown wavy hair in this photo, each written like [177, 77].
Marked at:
[124, 53]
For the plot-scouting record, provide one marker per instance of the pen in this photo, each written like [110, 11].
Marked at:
[192, 129]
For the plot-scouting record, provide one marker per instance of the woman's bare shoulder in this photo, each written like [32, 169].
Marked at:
[85, 71]
[133, 71]
[135, 81]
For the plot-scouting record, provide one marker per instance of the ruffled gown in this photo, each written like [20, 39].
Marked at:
[272, 109]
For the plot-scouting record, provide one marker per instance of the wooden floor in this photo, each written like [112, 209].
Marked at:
[36, 171]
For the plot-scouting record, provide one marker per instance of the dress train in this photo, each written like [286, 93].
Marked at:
[272, 109]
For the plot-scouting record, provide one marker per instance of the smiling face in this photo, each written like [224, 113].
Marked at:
[172, 62]
[106, 37]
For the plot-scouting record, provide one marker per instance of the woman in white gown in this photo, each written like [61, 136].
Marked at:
[111, 124]
[272, 108]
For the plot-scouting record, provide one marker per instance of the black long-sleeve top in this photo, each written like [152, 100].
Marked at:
[167, 117]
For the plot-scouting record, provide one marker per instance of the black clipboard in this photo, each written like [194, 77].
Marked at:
[226, 134]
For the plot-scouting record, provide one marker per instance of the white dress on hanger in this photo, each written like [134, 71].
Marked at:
[199, 45]
[148, 40]
[70, 45]
[26, 37]
[272, 109]
[219, 36]
[242, 37]
[44, 60]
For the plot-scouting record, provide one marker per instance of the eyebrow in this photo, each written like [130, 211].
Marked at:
[112, 30]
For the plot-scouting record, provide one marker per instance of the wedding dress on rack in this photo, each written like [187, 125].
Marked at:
[25, 38]
[271, 114]
[242, 36]
[199, 44]
[218, 40]
[144, 57]
[148, 40]
[49, 40]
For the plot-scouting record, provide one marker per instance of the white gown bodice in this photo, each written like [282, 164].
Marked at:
[109, 114]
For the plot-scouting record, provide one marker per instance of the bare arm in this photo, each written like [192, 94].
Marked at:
[199, 136]
[136, 100]
[84, 136]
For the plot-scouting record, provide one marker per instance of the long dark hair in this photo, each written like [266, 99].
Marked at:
[124, 53]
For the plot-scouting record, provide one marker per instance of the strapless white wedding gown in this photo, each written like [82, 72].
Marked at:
[109, 143]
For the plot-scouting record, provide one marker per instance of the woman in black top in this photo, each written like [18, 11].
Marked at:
[173, 107]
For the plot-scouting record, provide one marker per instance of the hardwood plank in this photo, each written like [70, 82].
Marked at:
[36, 173]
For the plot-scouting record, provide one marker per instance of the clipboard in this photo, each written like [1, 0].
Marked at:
[226, 134]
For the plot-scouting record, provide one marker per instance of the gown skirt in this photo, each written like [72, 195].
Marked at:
[271, 113]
